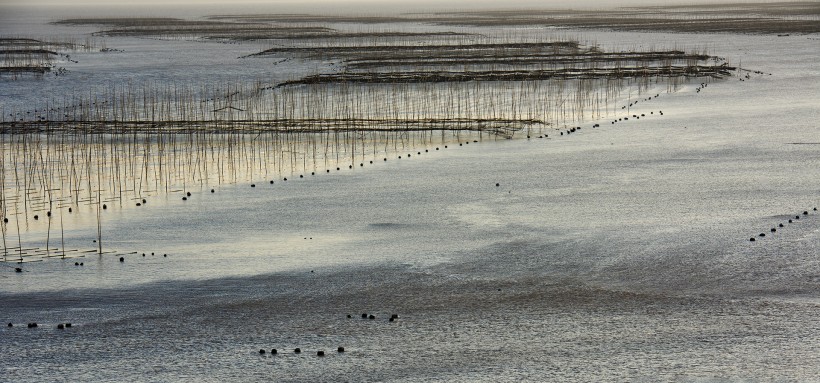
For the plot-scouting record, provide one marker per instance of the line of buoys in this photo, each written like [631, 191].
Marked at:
[774, 229]
[274, 351]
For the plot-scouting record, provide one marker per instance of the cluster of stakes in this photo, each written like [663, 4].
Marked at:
[781, 225]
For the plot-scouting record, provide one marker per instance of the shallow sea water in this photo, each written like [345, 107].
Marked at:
[619, 253]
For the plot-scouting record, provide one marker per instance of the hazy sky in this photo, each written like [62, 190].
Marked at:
[376, 3]
[188, 8]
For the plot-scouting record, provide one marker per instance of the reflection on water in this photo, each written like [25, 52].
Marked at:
[615, 253]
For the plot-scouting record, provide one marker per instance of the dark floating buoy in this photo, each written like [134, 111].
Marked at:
[165, 255]
[790, 221]
[67, 325]
[122, 259]
[301, 176]
[261, 351]
[797, 217]
[297, 350]
[328, 170]
[48, 213]
[274, 351]
[399, 156]
[313, 173]
[391, 320]
[81, 263]
[253, 185]
[320, 353]
[6, 220]
[445, 146]
[780, 225]
[371, 317]
[18, 270]
[394, 316]
[815, 209]
[340, 349]
[371, 161]
[139, 204]
[497, 184]
[762, 235]
[350, 166]
[184, 198]
[385, 159]
[752, 239]
[78, 263]
[364, 315]
[188, 194]
[60, 326]
[804, 212]
[436, 148]
[11, 325]
[212, 190]
[285, 179]
[36, 217]
[144, 201]
[349, 316]
[271, 182]
[774, 230]
[32, 325]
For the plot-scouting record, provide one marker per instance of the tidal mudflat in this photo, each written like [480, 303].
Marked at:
[426, 196]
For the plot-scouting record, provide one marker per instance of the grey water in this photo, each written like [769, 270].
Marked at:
[619, 253]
